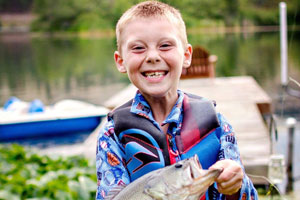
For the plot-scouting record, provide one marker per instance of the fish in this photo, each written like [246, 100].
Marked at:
[184, 180]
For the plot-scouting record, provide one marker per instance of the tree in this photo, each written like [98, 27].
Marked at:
[12, 6]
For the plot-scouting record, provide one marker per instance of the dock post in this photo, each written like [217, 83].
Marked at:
[283, 44]
[291, 122]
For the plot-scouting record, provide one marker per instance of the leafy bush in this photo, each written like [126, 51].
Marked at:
[28, 175]
[85, 15]
[91, 21]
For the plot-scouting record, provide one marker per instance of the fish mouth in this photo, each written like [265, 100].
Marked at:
[201, 179]
[196, 168]
[197, 162]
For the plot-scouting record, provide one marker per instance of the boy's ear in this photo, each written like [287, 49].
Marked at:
[188, 56]
[119, 62]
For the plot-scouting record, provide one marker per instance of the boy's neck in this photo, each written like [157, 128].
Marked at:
[161, 107]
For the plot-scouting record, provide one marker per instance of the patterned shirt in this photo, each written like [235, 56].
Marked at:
[110, 163]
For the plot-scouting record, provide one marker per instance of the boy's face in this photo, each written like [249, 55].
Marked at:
[153, 56]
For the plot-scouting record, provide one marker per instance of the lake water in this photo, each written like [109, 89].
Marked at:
[51, 69]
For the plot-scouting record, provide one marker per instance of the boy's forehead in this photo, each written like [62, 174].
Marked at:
[148, 19]
[147, 22]
[176, 25]
[149, 28]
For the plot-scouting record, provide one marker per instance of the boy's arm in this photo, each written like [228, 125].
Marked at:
[230, 156]
[109, 161]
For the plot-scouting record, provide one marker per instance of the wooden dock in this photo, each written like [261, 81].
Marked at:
[242, 101]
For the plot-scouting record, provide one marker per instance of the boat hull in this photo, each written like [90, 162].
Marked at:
[32, 129]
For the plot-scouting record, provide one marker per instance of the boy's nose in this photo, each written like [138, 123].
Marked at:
[152, 57]
[150, 60]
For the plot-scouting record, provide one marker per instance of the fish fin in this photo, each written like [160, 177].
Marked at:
[114, 192]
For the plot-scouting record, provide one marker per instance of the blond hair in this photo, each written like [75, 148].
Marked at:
[149, 9]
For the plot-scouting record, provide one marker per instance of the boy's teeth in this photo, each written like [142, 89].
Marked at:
[154, 74]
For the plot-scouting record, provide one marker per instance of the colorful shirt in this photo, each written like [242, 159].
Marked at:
[111, 168]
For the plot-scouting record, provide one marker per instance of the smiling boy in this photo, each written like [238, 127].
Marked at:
[162, 124]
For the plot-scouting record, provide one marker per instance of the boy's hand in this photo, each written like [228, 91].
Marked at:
[230, 180]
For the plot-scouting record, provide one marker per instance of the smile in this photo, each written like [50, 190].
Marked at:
[154, 74]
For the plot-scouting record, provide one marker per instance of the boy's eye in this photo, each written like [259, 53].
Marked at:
[165, 46]
[138, 48]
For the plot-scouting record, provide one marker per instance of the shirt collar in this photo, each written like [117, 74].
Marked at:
[141, 107]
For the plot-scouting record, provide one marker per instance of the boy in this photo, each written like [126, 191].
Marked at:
[162, 124]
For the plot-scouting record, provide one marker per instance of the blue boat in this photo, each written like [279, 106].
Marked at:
[27, 120]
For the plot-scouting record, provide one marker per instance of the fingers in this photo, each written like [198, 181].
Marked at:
[232, 173]
[231, 179]
[231, 186]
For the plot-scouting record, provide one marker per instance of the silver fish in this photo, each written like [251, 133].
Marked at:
[184, 180]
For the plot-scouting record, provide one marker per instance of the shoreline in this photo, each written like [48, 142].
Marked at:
[24, 30]
[19, 24]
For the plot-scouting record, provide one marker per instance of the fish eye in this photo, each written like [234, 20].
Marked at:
[178, 165]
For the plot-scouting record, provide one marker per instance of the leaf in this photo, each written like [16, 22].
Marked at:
[8, 195]
[63, 195]
[83, 189]
[87, 183]
[74, 187]
[43, 177]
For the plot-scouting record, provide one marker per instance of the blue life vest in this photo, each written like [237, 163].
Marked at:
[147, 148]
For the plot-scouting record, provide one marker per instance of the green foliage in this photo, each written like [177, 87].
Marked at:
[260, 12]
[90, 21]
[82, 15]
[26, 174]
[60, 15]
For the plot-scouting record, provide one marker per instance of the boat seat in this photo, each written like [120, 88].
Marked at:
[202, 65]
